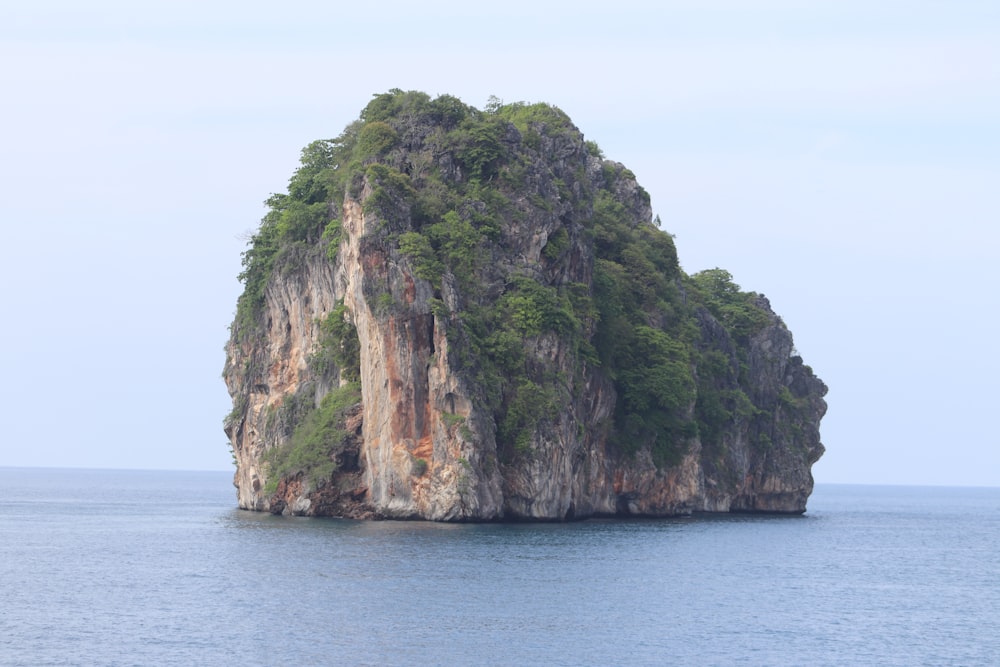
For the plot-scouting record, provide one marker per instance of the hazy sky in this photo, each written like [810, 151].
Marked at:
[841, 157]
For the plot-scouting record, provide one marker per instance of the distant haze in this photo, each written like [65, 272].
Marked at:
[840, 157]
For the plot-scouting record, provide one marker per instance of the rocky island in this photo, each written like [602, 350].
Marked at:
[470, 315]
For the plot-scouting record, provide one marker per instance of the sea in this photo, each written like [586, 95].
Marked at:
[111, 567]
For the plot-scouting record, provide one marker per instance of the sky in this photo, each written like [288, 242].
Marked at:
[841, 157]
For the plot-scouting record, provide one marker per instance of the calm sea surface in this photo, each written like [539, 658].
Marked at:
[158, 568]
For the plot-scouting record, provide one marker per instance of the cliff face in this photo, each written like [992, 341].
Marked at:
[464, 315]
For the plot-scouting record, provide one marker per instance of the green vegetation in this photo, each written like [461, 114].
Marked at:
[720, 399]
[734, 309]
[450, 244]
[419, 467]
[418, 248]
[528, 403]
[376, 138]
[454, 191]
[391, 193]
[316, 440]
[338, 345]
[306, 214]
[451, 419]
[537, 121]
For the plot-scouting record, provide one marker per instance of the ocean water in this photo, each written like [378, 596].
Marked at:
[159, 568]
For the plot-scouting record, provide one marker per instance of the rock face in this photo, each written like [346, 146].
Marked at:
[460, 315]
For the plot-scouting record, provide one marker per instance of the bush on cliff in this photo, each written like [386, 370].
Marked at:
[316, 440]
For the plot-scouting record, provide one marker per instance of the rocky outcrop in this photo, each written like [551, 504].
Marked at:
[512, 301]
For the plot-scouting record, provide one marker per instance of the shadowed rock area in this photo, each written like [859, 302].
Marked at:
[466, 315]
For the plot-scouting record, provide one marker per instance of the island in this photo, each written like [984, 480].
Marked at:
[457, 314]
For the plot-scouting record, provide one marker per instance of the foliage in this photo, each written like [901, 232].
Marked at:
[530, 308]
[391, 195]
[535, 121]
[384, 303]
[656, 389]
[720, 400]
[418, 248]
[479, 147]
[790, 401]
[304, 214]
[316, 440]
[528, 403]
[736, 310]
[594, 150]
[450, 419]
[456, 242]
[419, 467]
[338, 345]
[376, 138]
[332, 235]
[556, 245]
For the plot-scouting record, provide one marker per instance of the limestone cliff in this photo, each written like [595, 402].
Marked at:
[458, 315]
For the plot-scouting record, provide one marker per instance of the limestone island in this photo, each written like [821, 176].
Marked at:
[458, 314]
